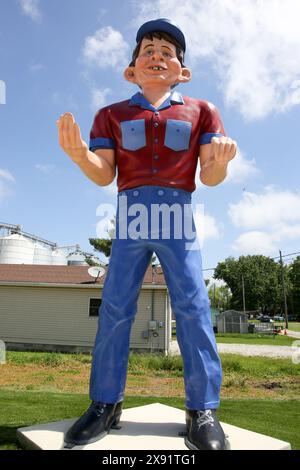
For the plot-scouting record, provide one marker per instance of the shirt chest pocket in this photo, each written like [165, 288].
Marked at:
[133, 134]
[178, 134]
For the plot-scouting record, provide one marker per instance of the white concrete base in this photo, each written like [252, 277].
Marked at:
[147, 427]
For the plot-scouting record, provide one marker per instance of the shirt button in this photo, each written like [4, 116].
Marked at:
[156, 124]
[135, 193]
[156, 113]
[160, 192]
[156, 140]
[156, 157]
[154, 170]
[175, 193]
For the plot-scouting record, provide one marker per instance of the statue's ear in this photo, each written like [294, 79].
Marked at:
[129, 74]
[185, 76]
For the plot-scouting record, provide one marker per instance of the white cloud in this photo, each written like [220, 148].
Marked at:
[255, 242]
[271, 218]
[99, 98]
[240, 169]
[251, 44]
[206, 226]
[272, 207]
[212, 281]
[5, 174]
[106, 48]
[31, 8]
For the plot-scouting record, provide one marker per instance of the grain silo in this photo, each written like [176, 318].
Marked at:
[42, 254]
[58, 257]
[16, 249]
[19, 247]
[76, 259]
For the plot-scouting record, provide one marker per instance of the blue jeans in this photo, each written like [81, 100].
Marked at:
[182, 269]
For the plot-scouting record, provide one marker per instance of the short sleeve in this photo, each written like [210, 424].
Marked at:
[101, 134]
[212, 125]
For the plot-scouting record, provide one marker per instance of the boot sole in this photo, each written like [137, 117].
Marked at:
[192, 446]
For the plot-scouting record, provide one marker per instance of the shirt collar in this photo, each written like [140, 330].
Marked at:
[139, 100]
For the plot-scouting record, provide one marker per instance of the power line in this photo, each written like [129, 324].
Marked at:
[274, 257]
[289, 254]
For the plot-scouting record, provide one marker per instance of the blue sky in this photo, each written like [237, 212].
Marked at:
[69, 55]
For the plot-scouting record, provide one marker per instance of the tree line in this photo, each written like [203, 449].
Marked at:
[255, 281]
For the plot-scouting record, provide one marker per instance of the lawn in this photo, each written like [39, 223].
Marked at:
[254, 338]
[151, 375]
[258, 393]
[294, 326]
[274, 418]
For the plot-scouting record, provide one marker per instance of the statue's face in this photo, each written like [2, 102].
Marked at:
[162, 54]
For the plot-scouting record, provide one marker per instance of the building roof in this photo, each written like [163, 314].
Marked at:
[56, 274]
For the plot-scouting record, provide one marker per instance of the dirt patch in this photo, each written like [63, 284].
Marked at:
[271, 385]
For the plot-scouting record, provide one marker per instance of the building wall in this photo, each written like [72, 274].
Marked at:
[60, 316]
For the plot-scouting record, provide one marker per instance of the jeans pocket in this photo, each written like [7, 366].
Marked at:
[178, 134]
[133, 134]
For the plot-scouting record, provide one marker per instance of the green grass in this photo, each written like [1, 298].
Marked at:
[48, 359]
[258, 367]
[275, 418]
[140, 364]
[254, 338]
[294, 326]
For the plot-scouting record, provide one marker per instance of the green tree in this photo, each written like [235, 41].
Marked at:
[262, 282]
[103, 245]
[90, 261]
[294, 297]
[219, 297]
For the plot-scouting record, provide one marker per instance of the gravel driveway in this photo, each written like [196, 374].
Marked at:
[249, 350]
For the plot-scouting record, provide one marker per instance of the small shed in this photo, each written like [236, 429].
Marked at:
[232, 321]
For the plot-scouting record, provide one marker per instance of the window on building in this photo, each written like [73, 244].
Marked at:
[94, 307]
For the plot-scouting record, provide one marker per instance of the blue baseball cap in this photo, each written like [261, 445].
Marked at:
[165, 25]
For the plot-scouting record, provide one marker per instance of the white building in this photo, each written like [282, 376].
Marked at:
[52, 307]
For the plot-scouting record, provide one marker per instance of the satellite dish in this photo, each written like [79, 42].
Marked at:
[96, 271]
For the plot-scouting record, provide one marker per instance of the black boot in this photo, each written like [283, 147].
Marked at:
[94, 424]
[204, 431]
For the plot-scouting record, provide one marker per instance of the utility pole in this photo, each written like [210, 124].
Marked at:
[243, 288]
[284, 292]
[214, 295]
